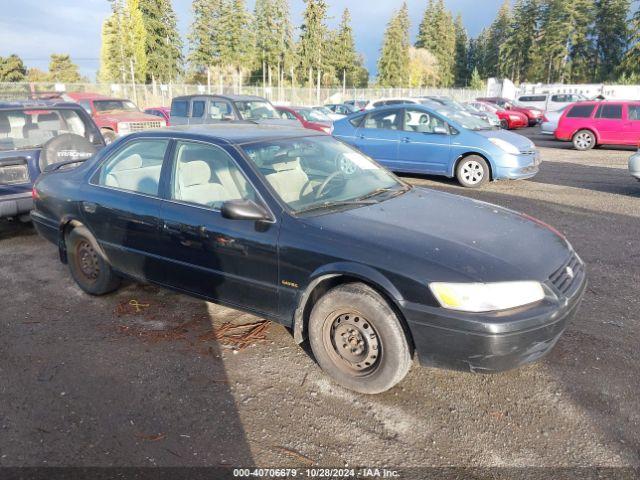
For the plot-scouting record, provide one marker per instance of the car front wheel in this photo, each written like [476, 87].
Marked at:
[358, 339]
[108, 135]
[584, 140]
[88, 267]
[472, 171]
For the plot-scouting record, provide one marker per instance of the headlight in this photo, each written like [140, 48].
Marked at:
[486, 297]
[13, 174]
[124, 128]
[504, 145]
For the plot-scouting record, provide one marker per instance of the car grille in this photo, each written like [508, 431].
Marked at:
[527, 152]
[139, 126]
[567, 275]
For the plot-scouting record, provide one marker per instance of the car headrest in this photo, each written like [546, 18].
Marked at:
[289, 164]
[193, 173]
[17, 119]
[191, 153]
[130, 163]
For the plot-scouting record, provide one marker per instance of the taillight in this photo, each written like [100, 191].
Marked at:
[34, 193]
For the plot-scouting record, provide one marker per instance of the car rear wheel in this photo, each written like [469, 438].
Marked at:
[108, 135]
[584, 140]
[504, 124]
[358, 339]
[88, 267]
[472, 171]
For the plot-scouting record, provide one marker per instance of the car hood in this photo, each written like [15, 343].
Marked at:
[278, 121]
[127, 117]
[446, 237]
[520, 141]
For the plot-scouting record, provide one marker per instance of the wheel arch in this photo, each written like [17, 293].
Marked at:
[484, 156]
[67, 224]
[326, 278]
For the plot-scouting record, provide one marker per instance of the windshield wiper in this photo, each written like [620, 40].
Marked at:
[322, 206]
[378, 191]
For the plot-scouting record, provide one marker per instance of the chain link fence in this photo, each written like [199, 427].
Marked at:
[161, 95]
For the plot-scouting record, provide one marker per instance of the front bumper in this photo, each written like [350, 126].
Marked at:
[517, 167]
[547, 128]
[634, 165]
[491, 342]
[15, 204]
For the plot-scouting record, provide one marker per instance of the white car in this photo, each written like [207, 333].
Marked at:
[550, 102]
[634, 165]
[550, 121]
[327, 112]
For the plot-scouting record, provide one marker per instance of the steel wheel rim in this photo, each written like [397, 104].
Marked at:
[87, 261]
[472, 172]
[583, 140]
[352, 342]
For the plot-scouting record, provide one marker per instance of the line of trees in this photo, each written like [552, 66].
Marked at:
[529, 41]
[61, 69]
[532, 41]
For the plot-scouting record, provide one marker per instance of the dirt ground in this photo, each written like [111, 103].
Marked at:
[147, 377]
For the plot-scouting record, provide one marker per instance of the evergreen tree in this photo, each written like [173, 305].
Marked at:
[62, 69]
[343, 54]
[111, 53]
[582, 50]
[476, 83]
[497, 35]
[312, 44]
[237, 40]
[204, 37]
[133, 40]
[393, 64]
[274, 36]
[437, 34]
[631, 62]
[551, 53]
[462, 54]
[515, 53]
[612, 34]
[12, 69]
[163, 45]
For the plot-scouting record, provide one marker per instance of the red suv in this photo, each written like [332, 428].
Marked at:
[588, 124]
[534, 115]
[115, 116]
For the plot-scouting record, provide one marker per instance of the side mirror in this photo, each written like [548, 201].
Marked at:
[244, 210]
[441, 130]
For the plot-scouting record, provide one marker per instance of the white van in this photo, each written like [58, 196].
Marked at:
[550, 102]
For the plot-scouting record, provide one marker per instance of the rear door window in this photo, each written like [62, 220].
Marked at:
[197, 109]
[136, 167]
[580, 111]
[179, 108]
[634, 112]
[610, 111]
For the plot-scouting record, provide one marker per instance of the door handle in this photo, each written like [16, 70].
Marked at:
[405, 140]
[172, 227]
[361, 137]
[89, 207]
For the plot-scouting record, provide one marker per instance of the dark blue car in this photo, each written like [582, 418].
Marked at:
[34, 135]
[297, 227]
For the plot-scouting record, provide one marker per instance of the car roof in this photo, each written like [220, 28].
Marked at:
[88, 96]
[239, 133]
[233, 98]
[39, 106]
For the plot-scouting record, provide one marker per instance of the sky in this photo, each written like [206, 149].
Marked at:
[34, 29]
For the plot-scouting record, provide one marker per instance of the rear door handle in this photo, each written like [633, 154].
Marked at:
[405, 140]
[89, 207]
[172, 227]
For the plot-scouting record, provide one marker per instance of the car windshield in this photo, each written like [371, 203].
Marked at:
[311, 115]
[109, 105]
[257, 110]
[465, 119]
[22, 129]
[317, 173]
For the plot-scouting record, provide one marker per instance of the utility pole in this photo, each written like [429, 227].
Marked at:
[133, 82]
[209, 79]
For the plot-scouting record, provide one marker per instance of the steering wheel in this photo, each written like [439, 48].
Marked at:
[323, 188]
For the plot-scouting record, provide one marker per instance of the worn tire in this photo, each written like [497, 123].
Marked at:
[87, 265]
[584, 140]
[108, 135]
[473, 171]
[369, 312]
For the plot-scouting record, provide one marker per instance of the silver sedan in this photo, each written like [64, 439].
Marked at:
[634, 165]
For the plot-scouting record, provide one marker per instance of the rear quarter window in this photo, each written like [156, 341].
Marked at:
[179, 108]
[580, 111]
[356, 121]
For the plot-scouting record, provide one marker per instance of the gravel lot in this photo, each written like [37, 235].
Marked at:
[95, 382]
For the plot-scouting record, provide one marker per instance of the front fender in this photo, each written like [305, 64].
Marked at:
[357, 271]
